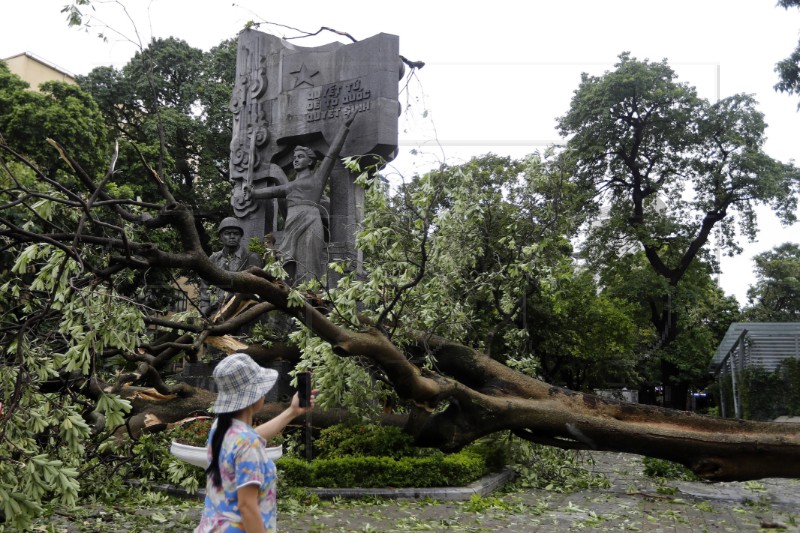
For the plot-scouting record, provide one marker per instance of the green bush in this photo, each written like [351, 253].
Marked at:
[364, 440]
[493, 450]
[402, 465]
[294, 472]
[369, 455]
[435, 470]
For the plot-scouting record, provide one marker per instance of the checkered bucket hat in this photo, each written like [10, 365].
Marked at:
[241, 382]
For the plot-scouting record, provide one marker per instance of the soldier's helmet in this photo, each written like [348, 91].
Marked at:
[230, 222]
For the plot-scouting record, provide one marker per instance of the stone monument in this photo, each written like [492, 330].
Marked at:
[287, 96]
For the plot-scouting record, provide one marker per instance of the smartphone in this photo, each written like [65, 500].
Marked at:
[304, 388]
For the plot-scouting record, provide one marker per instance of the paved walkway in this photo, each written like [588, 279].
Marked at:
[632, 503]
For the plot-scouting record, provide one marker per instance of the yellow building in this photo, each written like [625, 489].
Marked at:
[35, 70]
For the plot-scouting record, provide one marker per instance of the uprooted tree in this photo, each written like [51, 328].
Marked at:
[64, 323]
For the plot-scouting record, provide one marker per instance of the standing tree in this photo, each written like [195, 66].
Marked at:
[584, 338]
[59, 111]
[704, 314]
[789, 69]
[672, 167]
[776, 295]
[170, 106]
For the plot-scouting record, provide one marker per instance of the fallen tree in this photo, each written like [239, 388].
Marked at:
[451, 394]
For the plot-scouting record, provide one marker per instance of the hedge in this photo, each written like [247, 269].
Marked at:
[439, 470]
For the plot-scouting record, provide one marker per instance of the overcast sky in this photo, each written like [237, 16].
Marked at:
[497, 73]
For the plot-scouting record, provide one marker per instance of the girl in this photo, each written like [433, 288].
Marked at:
[240, 491]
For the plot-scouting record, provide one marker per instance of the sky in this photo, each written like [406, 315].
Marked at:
[497, 74]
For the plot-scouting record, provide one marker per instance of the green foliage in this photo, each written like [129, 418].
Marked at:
[478, 504]
[460, 237]
[763, 395]
[549, 468]
[479, 252]
[47, 437]
[173, 90]
[59, 111]
[75, 15]
[701, 310]
[592, 338]
[768, 395]
[154, 464]
[776, 295]
[146, 461]
[660, 468]
[342, 382]
[364, 440]
[637, 126]
[789, 69]
[369, 455]
[295, 472]
[437, 470]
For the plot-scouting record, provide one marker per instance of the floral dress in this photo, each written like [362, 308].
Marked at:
[243, 461]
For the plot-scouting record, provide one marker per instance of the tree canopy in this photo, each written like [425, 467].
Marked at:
[789, 69]
[671, 165]
[169, 106]
[776, 295]
[59, 111]
[669, 168]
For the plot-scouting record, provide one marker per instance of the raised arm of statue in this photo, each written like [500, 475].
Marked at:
[326, 166]
[303, 167]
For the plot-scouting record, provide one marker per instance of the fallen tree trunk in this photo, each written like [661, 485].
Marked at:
[483, 396]
[498, 398]
[159, 413]
[472, 395]
[468, 396]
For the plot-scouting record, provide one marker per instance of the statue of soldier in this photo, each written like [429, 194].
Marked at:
[233, 257]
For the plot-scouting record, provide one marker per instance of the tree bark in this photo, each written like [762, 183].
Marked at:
[483, 396]
[500, 399]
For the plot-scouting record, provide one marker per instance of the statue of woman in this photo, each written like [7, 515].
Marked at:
[303, 234]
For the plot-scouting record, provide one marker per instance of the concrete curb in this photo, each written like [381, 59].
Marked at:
[484, 486]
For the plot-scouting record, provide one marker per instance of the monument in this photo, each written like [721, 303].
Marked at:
[287, 96]
[293, 106]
